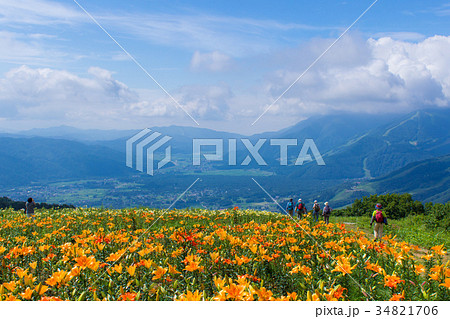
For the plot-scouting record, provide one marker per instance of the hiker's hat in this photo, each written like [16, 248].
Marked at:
[326, 203]
[299, 199]
[315, 201]
[378, 206]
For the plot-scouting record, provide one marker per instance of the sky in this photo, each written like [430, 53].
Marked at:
[239, 66]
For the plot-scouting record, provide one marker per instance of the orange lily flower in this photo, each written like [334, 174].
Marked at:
[173, 270]
[129, 296]
[264, 294]
[27, 294]
[234, 292]
[398, 297]
[159, 272]
[446, 284]
[439, 250]
[392, 281]
[343, 265]
[419, 268]
[41, 289]
[11, 286]
[191, 296]
[131, 270]
[118, 268]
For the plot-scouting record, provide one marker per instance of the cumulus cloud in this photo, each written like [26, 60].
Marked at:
[360, 75]
[386, 75]
[203, 102]
[402, 36]
[57, 94]
[213, 61]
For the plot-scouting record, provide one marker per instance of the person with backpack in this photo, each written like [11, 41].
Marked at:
[316, 210]
[326, 213]
[29, 208]
[300, 209]
[379, 217]
[290, 207]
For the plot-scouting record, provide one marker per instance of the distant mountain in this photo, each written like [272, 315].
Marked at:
[417, 136]
[76, 134]
[355, 147]
[334, 130]
[27, 160]
[329, 132]
[427, 180]
[181, 142]
[24, 160]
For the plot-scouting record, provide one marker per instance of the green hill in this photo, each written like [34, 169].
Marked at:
[28, 160]
[414, 137]
[427, 180]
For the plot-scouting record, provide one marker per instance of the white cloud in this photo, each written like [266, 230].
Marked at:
[202, 102]
[23, 48]
[374, 75]
[229, 35]
[213, 61]
[443, 10]
[193, 30]
[389, 76]
[402, 36]
[38, 12]
[44, 93]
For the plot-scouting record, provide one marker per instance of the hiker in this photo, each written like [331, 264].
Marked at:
[29, 208]
[300, 208]
[290, 207]
[316, 210]
[379, 217]
[326, 213]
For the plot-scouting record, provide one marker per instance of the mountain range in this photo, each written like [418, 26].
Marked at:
[427, 180]
[386, 147]
[363, 153]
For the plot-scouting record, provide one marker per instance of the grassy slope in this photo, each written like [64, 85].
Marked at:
[409, 229]
[427, 180]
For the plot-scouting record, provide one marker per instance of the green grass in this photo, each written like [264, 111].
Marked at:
[343, 195]
[68, 183]
[370, 188]
[411, 229]
[80, 195]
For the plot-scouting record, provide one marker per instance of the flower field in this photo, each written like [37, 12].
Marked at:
[99, 254]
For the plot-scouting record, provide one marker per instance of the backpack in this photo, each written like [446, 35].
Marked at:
[290, 205]
[379, 218]
[327, 210]
[300, 206]
[316, 208]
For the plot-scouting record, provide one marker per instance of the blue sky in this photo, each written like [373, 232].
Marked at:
[224, 62]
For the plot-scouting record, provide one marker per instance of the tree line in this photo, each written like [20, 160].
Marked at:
[6, 202]
[436, 215]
